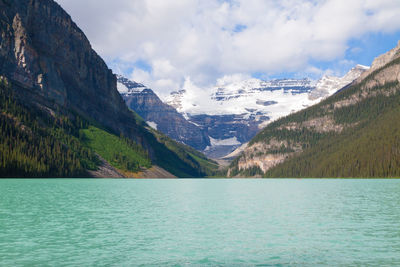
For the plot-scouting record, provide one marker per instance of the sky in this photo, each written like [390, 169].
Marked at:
[168, 44]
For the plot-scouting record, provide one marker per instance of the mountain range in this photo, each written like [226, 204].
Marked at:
[223, 118]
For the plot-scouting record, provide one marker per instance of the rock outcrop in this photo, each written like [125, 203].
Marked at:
[44, 51]
[329, 85]
[381, 61]
[388, 74]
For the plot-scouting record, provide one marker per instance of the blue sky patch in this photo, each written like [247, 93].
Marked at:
[239, 28]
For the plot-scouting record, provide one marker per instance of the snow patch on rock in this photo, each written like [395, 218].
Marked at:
[225, 142]
[122, 89]
[152, 124]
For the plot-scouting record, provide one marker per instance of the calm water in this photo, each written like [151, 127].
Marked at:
[200, 222]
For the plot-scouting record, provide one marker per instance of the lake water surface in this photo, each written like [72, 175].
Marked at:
[200, 222]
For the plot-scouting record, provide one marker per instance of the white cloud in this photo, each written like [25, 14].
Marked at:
[197, 38]
[141, 76]
[234, 78]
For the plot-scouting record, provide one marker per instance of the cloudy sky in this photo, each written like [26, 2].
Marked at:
[164, 43]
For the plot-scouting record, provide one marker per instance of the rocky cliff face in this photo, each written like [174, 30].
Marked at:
[43, 51]
[161, 116]
[381, 61]
[386, 75]
[226, 132]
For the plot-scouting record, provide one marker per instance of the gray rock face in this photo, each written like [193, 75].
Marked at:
[381, 61]
[223, 127]
[167, 120]
[43, 51]
[227, 132]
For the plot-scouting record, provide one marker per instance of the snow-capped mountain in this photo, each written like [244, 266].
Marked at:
[275, 98]
[127, 87]
[240, 109]
[253, 86]
[233, 113]
[161, 116]
[222, 118]
[329, 85]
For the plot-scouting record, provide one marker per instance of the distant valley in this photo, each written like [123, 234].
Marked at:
[224, 118]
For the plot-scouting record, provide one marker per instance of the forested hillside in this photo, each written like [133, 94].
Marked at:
[369, 149]
[354, 133]
[38, 141]
[36, 144]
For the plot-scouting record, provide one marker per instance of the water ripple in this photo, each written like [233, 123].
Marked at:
[199, 222]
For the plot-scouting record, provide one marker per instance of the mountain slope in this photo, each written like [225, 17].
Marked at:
[354, 133]
[52, 68]
[161, 116]
[36, 144]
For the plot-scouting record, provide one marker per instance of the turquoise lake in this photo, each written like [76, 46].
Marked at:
[199, 222]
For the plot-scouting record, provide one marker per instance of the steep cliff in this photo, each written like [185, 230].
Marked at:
[51, 66]
[43, 50]
[354, 133]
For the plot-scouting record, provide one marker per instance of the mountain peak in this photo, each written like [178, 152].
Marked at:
[381, 61]
[363, 67]
[126, 86]
[329, 85]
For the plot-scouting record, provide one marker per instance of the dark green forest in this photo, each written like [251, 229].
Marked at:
[368, 145]
[36, 144]
[370, 149]
[180, 159]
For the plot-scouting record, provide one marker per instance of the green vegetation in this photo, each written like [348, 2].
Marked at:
[120, 152]
[370, 149]
[368, 146]
[39, 142]
[179, 159]
[208, 165]
[36, 144]
[250, 172]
